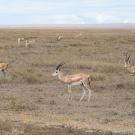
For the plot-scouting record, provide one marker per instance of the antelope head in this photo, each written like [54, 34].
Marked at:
[127, 60]
[58, 68]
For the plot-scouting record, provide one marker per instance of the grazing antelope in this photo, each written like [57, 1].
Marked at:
[129, 68]
[3, 67]
[27, 41]
[59, 37]
[76, 79]
[19, 40]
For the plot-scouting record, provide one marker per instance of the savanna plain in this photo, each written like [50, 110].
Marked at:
[32, 102]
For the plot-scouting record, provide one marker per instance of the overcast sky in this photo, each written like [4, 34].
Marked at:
[13, 12]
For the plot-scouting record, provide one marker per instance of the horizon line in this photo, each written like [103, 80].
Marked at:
[104, 25]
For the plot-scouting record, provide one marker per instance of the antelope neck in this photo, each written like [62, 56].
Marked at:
[61, 76]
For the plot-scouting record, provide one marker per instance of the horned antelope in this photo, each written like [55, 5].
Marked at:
[59, 37]
[27, 41]
[130, 68]
[3, 67]
[19, 40]
[76, 79]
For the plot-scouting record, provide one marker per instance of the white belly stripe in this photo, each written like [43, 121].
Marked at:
[77, 83]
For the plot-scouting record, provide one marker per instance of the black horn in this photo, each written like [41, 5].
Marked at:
[127, 56]
[59, 65]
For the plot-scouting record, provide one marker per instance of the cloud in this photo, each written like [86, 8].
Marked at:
[125, 21]
[103, 18]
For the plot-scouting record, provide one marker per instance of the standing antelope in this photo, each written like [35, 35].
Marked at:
[76, 79]
[59, 37]
[19, 40]
[27, 41]
[3, 67]
[129, 68]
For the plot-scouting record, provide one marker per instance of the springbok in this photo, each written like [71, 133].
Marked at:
[3, 67]
[130, 68]
[76, 79]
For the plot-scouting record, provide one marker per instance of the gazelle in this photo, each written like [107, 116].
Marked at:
[76, 79]
[19, 40]
[129, 68]
[59, 37]
[27, 41]
[3, 67]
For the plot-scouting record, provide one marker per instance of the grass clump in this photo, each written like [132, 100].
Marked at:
[98, 77]
[133, 107]
[6, 79]
[30, 75]
[18, 105]
[111, 133]
[34, 133]
[110, 68]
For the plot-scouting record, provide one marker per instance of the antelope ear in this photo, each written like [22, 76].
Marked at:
[62, 63]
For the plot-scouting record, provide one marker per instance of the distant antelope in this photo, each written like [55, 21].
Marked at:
[3, 67]
[130, 68]
[19, 40]
[27, 41]
[59, 37]
[76, 79]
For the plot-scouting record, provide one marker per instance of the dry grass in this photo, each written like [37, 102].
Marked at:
[111, 133]
[98, 52]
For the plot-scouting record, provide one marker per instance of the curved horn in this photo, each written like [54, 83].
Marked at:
[127, 56]
[59, 65]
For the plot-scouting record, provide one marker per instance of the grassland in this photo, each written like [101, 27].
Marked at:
[31, 98]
